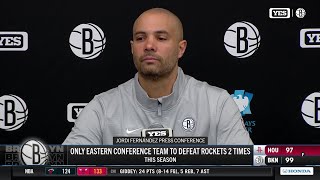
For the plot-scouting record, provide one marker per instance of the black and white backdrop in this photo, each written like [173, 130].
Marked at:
[269, 50]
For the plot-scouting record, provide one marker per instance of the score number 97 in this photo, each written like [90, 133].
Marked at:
[289, 150]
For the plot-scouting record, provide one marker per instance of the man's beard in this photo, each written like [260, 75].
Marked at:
[160, 71]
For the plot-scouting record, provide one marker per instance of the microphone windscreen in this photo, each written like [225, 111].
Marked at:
[155, 125]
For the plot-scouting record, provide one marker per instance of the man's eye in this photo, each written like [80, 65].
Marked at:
[162, 38]
[139, 38]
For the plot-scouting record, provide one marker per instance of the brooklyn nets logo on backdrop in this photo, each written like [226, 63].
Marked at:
[87, 41]
[310, 110]
[242, 39]
[13, 112]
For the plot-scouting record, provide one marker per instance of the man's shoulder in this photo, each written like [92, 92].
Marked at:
[199, 85]
[214, 95]
[116, 92]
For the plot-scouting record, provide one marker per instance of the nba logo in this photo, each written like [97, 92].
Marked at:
[13, 112]
[242, 39]
[33, 152]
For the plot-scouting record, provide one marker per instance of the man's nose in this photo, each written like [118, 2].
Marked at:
[150, 44]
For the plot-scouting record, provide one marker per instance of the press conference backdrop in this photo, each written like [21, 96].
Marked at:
[55, 56]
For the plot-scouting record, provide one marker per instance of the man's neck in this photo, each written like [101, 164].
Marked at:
[159, 87]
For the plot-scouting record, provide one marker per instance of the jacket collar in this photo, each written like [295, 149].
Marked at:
[166, 102]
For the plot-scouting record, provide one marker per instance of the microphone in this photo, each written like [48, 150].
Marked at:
[156, 130]
[155, 125]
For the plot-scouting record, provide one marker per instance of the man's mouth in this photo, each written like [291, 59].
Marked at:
[149, 59]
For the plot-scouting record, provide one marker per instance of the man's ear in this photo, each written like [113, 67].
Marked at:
[182, 48]
[131, 43]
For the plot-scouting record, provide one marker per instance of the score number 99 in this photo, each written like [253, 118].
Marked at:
[289, 160]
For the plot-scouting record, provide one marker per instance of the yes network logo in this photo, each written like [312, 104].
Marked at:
[310, 38]
[243, 100]
[73, 111]
[279, 13]
[13, 41]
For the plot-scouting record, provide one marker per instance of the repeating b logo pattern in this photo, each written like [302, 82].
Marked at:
[87, 41]
[242, 39]
[13, 112]
[310, 109]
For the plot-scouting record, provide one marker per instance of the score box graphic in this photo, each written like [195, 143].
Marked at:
[58, 171]
[91, 171]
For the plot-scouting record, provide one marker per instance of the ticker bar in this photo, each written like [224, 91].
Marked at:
[88, 171]
[190, 171]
